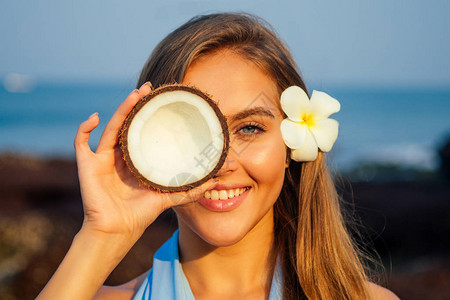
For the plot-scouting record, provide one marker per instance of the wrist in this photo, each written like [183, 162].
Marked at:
[91, 258]
[114, 245]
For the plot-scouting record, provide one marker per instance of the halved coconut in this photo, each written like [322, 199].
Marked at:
[175, 138]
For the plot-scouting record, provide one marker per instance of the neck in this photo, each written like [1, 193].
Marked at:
[244, 268]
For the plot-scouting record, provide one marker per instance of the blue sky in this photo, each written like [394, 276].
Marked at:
[334, 42]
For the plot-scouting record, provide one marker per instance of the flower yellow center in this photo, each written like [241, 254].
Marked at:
[307, 119]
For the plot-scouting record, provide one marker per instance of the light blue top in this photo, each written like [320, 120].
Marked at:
[166, 280]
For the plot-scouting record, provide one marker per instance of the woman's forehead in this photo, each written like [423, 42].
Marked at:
[233, 82]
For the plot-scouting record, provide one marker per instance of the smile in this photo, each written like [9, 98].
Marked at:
[224, 194]
[224, 199]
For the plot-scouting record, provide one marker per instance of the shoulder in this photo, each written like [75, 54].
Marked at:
[124, 291]
[378, 292]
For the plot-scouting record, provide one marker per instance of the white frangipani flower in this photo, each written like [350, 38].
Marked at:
[307, 127]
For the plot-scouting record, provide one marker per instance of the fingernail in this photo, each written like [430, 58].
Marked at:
[213, 182]
[149, 84]
[144, 89]
[93, 115]
[146, 84]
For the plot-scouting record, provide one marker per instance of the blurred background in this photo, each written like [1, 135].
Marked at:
[385, 61]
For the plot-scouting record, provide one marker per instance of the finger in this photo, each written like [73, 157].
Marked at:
[145, 89]
[192, 195]
[109, 137]
[81, 142]
[149, 206]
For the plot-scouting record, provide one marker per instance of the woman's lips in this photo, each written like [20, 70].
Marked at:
[222, 200]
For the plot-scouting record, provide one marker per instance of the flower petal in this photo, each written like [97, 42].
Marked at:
[309, 150]
[325, 133]
[294, 134]
[295, 102]
[323, 105]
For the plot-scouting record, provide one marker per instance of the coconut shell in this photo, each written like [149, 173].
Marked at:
[124, 134]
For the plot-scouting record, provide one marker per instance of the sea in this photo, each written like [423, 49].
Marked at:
[398, 126]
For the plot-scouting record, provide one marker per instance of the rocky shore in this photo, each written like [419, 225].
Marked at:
[408, 223]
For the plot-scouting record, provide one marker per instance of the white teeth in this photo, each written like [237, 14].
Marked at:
[214, 195]
[224, 194]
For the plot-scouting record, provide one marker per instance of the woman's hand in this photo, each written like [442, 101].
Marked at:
[117, 209]
[114, 201]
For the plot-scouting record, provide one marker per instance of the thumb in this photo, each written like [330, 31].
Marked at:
[192, 195]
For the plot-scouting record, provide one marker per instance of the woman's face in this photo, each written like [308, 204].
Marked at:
[256, 160]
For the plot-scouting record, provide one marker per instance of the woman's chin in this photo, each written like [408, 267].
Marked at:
[222, 237]
[222, 241]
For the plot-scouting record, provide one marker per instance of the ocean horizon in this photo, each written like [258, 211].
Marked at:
[393, 125]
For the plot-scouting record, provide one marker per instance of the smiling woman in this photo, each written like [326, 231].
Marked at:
[256, 161]
[263, 227]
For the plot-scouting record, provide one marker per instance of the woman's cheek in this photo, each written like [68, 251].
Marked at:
[264, 161]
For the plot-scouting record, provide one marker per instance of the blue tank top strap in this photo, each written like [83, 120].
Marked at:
[166, 279]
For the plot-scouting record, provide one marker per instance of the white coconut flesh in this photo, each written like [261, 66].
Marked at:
[176, 136]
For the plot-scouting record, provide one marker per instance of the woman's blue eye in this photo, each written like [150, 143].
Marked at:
[251, 130]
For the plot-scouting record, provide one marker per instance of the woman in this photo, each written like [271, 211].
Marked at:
[285, 238]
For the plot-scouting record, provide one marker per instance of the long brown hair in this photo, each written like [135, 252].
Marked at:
[318, 258]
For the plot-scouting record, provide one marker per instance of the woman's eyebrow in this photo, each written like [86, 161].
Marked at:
[254, 111]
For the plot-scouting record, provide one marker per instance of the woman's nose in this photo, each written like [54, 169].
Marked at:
[229, 166]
